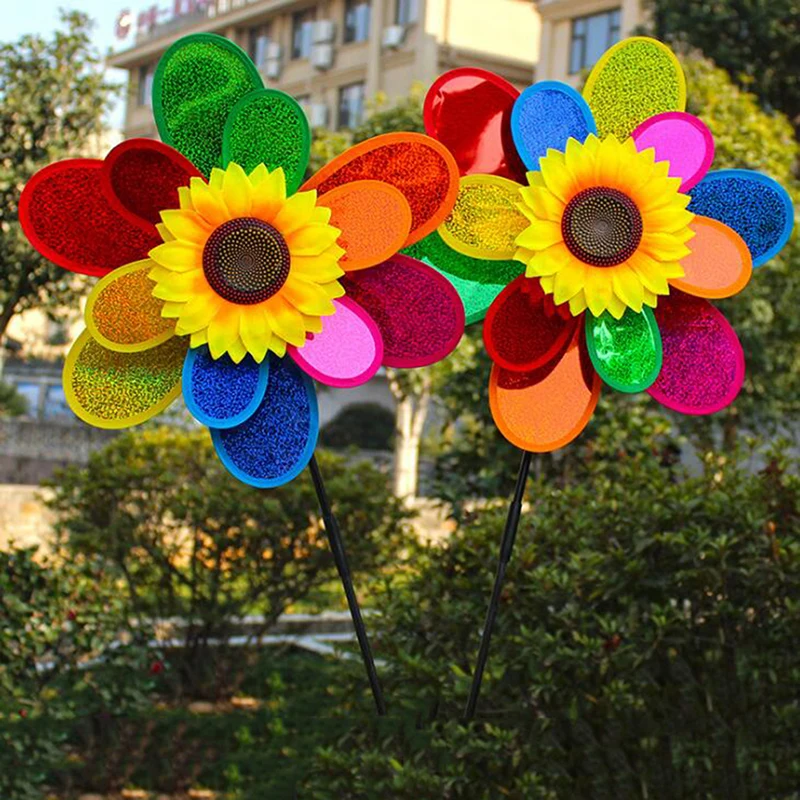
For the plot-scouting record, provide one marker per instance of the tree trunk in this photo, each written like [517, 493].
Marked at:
[412, 411]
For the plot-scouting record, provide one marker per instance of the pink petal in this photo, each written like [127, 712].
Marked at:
[348, 351]
[703, 368]
[417, 310]
[681, 139]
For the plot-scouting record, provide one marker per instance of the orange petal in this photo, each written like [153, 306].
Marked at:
[374, 219]
[719, 264]
[545, 409]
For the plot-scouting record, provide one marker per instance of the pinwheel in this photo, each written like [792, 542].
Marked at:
[590, 234]
[225, 279]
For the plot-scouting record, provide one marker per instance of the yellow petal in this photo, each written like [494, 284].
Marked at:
[278, 346]
[208, 202]
[311, 240]
[185, 198]
[199, 338]
[223, 330]
[333, 289]
[627, 286]
[616, 307]
[661, 246]
[187, 226]
[569, 281]
[181, 286]
[237, 191]
[321, 268]
[296, 212]
[199, 311]
[164, 233]
[649, 272]
[607, 163]
[237, 351]
[178, 256]
[539, 235]
[598, 290]
[539, 203]
[313, 324]
[668, 219]
[285, 321]
[258, 175]
[549, 261]
[269, 196]
[217, 178]
[307, 298]
[577, 304]
[556, 176]
[255, 332]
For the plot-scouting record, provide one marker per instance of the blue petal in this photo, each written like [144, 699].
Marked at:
[218, 392]
[758, 208]
[546, 115]
[277, 442]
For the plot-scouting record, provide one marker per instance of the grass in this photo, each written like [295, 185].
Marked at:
[248, 753]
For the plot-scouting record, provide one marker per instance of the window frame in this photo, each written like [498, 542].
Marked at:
[613, 32]
[354, 7]
[406, 12]
[144, 89]
[300, 19]
[340, 105]
[255, 35]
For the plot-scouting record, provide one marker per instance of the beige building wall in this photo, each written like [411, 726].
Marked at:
[557, 20]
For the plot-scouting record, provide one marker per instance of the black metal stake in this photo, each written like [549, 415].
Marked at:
[506, 546]
[339, 556]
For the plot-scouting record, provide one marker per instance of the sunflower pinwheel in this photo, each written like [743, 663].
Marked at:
[222, 277]
[597, 263]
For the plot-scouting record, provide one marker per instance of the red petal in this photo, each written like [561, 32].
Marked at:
[71, 219]
[469, 111]
[519, 333]
[420, 167]
[145, 175]
[418, 312]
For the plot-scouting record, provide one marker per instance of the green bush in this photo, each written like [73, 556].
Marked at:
[368, 426]
[646, 647]
[159, 509]
[67, 654]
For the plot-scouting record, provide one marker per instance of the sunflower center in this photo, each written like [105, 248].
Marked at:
[602, 226]
[246, 260]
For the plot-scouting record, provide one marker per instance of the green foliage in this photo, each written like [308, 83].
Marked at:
[757, 42]
[385, 117]
[12, 403]
[645, 646]
[59, 620]
[53, 97]
[159, 509]
[367, 426]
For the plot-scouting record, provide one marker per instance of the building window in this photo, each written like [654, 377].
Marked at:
[356, 20]
[407, 12]
[145, 86]
[258, 43]
[591, 37]
[351, 105]
[302, 25]
[55, 403]
[29, 391]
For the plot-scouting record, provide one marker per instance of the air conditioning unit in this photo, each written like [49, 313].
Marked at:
[322, 56]
[317, 115]
[272, 69]
[323, 32]
[274, 51]
[393, 36]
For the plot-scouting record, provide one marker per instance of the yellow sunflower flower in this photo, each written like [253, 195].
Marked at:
[243, 268]
[608, 227]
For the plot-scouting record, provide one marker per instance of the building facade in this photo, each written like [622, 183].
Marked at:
[333, 55]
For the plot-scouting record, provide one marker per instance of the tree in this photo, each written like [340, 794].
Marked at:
[756, 41]
[53, 98]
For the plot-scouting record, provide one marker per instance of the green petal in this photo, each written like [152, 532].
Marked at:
[625, 352]
[198, 82]
[476, 280]
[269, 127]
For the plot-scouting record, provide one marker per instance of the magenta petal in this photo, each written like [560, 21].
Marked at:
[703, 368]
[418, 312]
[348, 351]
[683, 140]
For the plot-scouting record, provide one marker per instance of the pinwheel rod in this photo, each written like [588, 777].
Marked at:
[506, 546]
[340, 557]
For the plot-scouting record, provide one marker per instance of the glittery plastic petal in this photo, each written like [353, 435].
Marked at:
[758, 208]
[519, 334]
[719, 265]
[545, 409]
[625, 352]
[476, 280]
[633, 81]
[70, 219]
[268, 126]
[117, 390]
[220, 393]
[469, 110]
[681, 139]
[703, 367]
[374, 219]
[485, 221]
[122, 314]
[145, 175]
[197, 83]
[420, 167]
[349, 350]
[417, 311]
[545, 116]
[276, 443]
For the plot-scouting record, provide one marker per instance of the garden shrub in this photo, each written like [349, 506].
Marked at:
[67, 654]
[646, 646]
[369, 426]
[191, 541]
